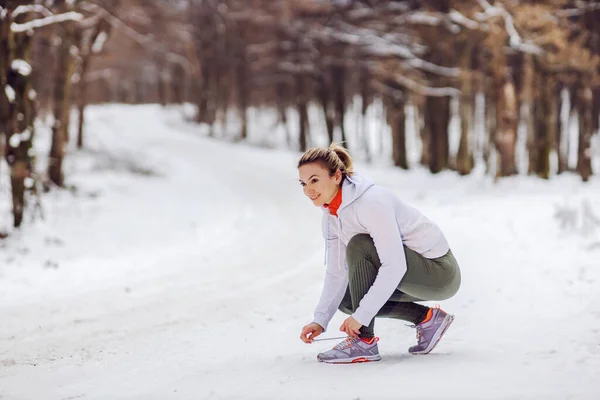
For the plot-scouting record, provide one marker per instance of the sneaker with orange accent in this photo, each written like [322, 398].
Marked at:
[352, 350]
[431, 330]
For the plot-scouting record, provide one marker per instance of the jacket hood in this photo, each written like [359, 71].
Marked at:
[352, 188]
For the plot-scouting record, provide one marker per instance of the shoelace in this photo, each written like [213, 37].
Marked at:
[346, 343]
[419, 334]
[418, 326]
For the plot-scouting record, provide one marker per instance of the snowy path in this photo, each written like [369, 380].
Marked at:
[194, 283]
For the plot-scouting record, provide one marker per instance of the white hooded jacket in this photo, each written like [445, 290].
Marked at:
[377, 211]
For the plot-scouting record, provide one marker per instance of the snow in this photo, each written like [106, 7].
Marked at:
[182, 266]
[99, 42]
[10, 93]
[22, 67]
[15, 140]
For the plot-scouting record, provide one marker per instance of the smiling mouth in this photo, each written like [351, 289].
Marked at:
[314, 198]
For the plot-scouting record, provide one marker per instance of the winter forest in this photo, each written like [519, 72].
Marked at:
[526, 70]
[150, 210]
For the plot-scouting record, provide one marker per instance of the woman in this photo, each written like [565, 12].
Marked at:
[382, 256]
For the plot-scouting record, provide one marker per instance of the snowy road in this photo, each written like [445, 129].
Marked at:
[192, 280]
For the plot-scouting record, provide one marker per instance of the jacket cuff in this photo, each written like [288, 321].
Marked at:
[321, 320]
[362, 316]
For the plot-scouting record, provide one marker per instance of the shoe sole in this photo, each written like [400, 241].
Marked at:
[437, 336]
[354, 360]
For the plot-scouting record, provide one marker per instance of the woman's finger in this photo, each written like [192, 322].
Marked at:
[343, 327]
[305, 334]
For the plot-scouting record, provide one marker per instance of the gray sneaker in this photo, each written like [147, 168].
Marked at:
[351, 350]
[431, 330]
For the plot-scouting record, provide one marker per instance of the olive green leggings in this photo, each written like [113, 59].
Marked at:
[425, 279]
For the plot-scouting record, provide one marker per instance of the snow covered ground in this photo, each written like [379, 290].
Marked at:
[183, 267]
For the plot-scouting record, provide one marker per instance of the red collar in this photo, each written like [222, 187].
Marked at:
[335, 203]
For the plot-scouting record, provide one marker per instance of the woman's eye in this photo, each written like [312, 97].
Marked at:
[302, 184]
[314, 181]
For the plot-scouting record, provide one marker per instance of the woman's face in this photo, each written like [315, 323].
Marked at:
[317, 184]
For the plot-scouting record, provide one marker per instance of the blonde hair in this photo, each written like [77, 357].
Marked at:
[331, 158]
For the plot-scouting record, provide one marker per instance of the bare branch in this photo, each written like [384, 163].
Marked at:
[118, 24]
[425, 90]
[146, 41]
[415, 86]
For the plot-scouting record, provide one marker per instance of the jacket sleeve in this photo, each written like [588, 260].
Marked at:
[379, 219]
[336, 277]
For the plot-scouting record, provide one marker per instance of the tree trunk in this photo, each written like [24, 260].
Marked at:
[423, 128]
[437, 116]
[179, 83]
[163, 81]
[545, 115]
[491, 128]
[506, 134]
[62, 104]
[302, 113]
[281, 107]
[5, 61]
[328, 112]
[584, 111]
[558, 129]
[365, 99]
[397, 122]
[82, 99]
[338, 79]
[464, 155]
[596, 110]
[23, 114]
[528, 103]
[206, 100]
[243, 98]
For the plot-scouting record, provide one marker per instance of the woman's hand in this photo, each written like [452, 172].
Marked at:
[310, 331]
[351, 327]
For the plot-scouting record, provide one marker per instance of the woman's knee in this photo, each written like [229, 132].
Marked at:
[345, 308]
[360, 246]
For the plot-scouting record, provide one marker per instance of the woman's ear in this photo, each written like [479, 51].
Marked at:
[338, 177]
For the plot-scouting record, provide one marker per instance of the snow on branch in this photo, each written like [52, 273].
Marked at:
[415, 86]
[460, 19]
[427, 18]
[426, 90]
[378, 44]
[574, 12]
[515, 40]
[37, 8]
[22, 67]
[10, 93]
[38, 23]
[296, 68]
[98, 44]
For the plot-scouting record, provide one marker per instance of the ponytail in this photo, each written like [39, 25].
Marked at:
[333, 158]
